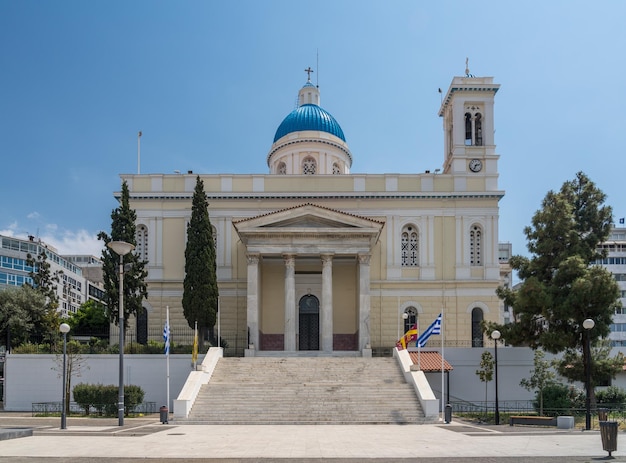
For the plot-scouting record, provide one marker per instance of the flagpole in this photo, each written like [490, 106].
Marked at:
[442, 354]
[419, 346]
[139, 153]
[167, 321]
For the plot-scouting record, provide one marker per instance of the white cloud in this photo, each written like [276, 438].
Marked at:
[33, 215]
[74, 241]
[66, 242]
[10, 230]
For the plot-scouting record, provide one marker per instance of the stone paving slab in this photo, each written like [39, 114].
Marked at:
[89, 440]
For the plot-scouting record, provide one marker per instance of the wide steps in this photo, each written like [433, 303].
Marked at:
[320, 390]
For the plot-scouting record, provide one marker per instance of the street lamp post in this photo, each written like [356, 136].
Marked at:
[495, 335]
[121, 248]
[588, 324]
[64, 328]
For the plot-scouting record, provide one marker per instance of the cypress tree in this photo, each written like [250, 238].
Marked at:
[135, 290]
[200, 291]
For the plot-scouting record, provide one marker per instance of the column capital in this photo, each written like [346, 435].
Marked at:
[327, 258]
[290, 260]
[253, 258]
[364, 259]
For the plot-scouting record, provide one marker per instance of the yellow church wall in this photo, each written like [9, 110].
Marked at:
[445, 248]
[173, 184]
[174, 249]
[140, 183]
[384, 319]
[409, 183]
[375, 183]
[272, 301]
[443, 183]
[387, 324]
[476, 184]
[345, 297]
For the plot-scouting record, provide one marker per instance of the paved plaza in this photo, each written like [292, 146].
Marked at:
[146, 439]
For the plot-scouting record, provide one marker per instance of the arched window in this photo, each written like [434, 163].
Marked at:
[409, 247]
[309, 166]
[476, 246]
[336, 169]
[478, 128]
[468, 129]
[282, 168]
[141, 237]
[411, 318]
[477, 333]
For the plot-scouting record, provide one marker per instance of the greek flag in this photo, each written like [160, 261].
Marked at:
[166, 337]
[434, 328]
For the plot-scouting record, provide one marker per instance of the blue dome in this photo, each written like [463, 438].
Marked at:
[309, 117]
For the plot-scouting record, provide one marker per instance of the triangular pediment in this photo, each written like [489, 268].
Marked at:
[307, 216]
[308, 227]
[309, 221]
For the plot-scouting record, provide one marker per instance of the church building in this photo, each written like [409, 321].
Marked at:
[315, 260]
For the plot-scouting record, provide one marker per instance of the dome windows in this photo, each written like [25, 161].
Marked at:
[309, 166]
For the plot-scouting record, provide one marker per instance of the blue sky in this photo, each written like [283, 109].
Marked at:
[209, 82]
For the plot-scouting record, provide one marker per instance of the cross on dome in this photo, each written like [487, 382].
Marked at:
[309, 71]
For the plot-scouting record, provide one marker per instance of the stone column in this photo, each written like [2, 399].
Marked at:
[326, 314]
[364, 302]
[253, 299]
[290, 302]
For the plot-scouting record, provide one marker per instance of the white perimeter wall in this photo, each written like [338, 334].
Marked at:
[514, 364]
[38, 378]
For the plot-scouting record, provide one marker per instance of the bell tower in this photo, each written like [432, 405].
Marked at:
[468, 122]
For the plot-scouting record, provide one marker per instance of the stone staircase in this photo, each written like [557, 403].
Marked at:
[311, 390]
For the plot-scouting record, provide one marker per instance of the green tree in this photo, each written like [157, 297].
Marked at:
[485, 373]
[200, 292]
[561, 285]
[603, 366]
[541, 377]
[44, 280]
[91, 319]
[75, 364]
[22, 313]
[135, 290]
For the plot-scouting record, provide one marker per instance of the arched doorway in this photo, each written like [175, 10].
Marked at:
[309, 323]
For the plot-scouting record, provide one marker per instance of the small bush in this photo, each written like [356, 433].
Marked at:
[104, 398]
[611, 397]
[560, 398]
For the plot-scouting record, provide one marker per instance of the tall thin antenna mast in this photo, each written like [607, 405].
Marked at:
[139, 153]
[317, 68]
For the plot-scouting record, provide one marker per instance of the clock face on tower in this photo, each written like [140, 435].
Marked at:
[475, 165]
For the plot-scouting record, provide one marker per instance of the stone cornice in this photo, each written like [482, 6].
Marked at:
[308, 196]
